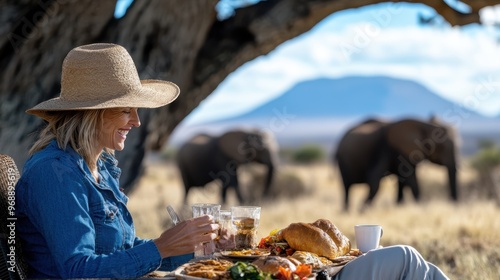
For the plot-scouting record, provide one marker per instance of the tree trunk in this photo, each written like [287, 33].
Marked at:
[177, 40]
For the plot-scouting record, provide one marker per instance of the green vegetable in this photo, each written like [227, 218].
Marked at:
[247, 271]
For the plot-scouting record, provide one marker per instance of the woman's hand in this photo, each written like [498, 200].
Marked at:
[183, 237]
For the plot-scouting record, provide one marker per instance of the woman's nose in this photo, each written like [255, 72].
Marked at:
[135, 120]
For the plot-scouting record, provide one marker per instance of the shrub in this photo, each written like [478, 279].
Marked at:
[487, 158]
[285, 185]
[308, 154]
[485, 162]
[168, 154]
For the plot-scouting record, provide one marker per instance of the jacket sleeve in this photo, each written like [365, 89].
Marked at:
[170, 263]
[57, 198]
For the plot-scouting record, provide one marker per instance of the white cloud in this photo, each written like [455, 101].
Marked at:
[490, 15]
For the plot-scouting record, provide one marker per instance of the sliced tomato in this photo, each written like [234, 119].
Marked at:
[284, 274]
[303, 271]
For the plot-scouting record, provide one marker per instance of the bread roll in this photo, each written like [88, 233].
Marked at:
[342, 242]
[271, 264]
[320, 237]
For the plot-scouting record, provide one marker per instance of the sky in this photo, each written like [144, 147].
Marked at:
[461, 64]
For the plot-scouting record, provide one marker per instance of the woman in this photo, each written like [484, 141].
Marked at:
[72, 218]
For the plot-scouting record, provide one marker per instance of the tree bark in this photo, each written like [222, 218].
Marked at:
[177, 40]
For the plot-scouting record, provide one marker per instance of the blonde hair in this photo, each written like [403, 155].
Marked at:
[79, 129]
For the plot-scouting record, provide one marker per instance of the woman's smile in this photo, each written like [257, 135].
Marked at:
[123, 133]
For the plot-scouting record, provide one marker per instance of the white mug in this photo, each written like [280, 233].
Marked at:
[368, 237]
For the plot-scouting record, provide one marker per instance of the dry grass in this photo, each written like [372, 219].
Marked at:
[462, 239]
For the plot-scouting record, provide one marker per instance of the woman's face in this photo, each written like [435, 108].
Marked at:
[117, 122]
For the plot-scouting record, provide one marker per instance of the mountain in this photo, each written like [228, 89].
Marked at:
[320, 110]
[352, 97]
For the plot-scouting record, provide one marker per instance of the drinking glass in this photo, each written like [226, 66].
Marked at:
[200, 209]
[245, 220]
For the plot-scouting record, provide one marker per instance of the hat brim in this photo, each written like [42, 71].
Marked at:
[152, 94]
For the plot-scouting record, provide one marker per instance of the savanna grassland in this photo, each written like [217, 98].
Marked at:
[463, 239]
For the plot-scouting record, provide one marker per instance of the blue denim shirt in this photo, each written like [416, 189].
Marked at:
[72, 227]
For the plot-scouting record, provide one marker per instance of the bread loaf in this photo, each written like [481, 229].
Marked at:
[321, 238]
[342, 242]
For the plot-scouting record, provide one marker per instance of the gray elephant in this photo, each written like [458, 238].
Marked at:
[375, 148]
[205, 158]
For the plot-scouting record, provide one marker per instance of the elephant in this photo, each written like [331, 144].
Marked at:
[376, 148]
[205, 158]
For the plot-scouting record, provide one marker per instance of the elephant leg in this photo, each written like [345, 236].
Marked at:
[452, 178]
[186, 194]
[413, 183]
[374, 177]
[401, 187]
[235, 184]
[410, 181]
[346, 196]
[225, 187]
[347, 186]
[187, 186]
[231, 183]
[374, 186]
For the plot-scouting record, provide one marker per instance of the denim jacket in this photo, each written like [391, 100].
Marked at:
[72, 227]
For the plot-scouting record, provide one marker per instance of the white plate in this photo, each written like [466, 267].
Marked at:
[179, 274]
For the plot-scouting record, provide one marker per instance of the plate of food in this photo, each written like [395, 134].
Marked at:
[268, 267]
[204, 269]
[246, 253]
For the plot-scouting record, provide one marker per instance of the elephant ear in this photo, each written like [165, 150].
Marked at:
[450, 130]
[233, 145]
[403, 136]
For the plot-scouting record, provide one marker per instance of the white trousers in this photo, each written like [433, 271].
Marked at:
[391, 263]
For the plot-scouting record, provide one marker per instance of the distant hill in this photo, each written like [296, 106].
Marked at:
[320, 110]
[354, 97]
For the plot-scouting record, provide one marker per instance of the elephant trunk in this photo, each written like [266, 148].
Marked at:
[452, 177]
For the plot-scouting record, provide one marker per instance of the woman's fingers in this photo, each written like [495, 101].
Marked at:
[206, 225]
[182, 238]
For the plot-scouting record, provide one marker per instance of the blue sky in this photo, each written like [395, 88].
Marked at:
[460, 64]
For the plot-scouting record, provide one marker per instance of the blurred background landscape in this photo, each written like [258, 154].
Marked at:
[320, 111]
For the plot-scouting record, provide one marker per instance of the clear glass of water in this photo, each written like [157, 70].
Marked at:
[200, 209]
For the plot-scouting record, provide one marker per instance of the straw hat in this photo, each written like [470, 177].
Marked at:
[99, 76]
